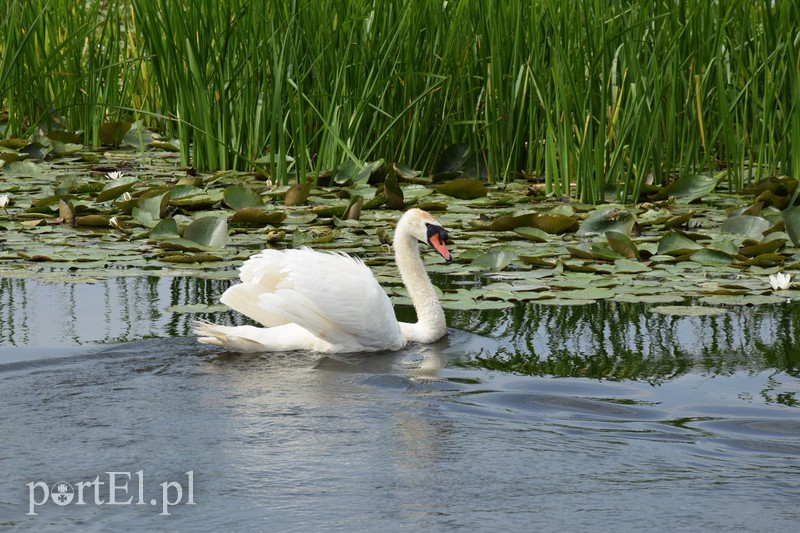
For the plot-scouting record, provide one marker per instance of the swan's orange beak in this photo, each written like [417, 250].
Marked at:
[438, 240]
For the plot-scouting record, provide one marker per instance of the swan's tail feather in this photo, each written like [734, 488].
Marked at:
[224, 336]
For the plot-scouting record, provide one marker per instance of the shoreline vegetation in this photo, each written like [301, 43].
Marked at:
[598, 100]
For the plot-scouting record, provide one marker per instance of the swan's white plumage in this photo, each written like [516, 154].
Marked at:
[326, 302]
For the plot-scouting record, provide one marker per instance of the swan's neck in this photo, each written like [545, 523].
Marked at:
[431, 324]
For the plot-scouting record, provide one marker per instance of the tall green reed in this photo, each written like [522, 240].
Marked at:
[596, 97]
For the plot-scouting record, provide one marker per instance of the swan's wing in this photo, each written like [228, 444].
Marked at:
[333, 296]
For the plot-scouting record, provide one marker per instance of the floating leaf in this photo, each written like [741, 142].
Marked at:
[296, 195]
[791, 217]
[254, 216]
[621, 244]
[690, 187]
[675, 244]
[765, 247]
[165, 229]
[686, 310]
[394, 193]
[96, 221]
[678, 221]
[66, 212]
[604, 220]
[116, 188]
[746, 225]
[208, 231]
[532, 234]
[406, 172]
[190, 258]
[113, 133]
[711, 257]
[742, 300]
[626, 266]
[494, 260]
[151, 206]
[239, 197]
[554, 224]
[507, 223]
[463, 188]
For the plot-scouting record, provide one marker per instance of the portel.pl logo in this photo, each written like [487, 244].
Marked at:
[63, 493]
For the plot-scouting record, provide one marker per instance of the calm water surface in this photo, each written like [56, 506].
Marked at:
[600, 417]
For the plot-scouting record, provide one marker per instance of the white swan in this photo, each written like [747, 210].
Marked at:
[331, 302]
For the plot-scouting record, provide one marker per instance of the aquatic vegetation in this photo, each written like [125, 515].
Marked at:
[642, 95]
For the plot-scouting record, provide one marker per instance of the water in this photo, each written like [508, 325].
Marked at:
[615, 419]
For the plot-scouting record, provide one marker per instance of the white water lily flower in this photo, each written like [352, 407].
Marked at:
[780, 281]
[269, 184]
[3, 200]
[114, 175]
[126, 196]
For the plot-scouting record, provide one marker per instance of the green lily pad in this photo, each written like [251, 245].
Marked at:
[532, 234]
[463, 188]
[622, 244]
[113, 133]
[208, 231]
[675, 244]
[254, 216]
[554, 224]
[116, 188]
[791, 217]
[687, 310]
[508, 222]
[690, 187]
[747, 299]
[297, 194]
[605, 220]
[766, 247]
[95, 221]
[165, 229]
[711, 257]
[494, 260]
[626, 266]
[393, 192]
[750, 226]
[238, 197]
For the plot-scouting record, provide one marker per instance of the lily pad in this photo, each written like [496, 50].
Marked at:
[508, 222]
[675, 244]
[532, 234]
[394, 193]
[605, 220]
[554, 224]
[494, 260]
[116, 188]
[165, 229]
[711, 257]
[113, 133]
[254, 216]
[690, 187]
[208, 231]
[686, 310]
[296, 195]
[238, 197]
[622, 244]
[463, 188]
[791, 217]
[750, 226]
[752, 299]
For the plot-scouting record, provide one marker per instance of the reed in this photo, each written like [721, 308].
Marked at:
[596, 97]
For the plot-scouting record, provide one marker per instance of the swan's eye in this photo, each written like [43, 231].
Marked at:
[438, 231]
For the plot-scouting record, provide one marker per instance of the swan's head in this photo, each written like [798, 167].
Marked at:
[425, 228]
